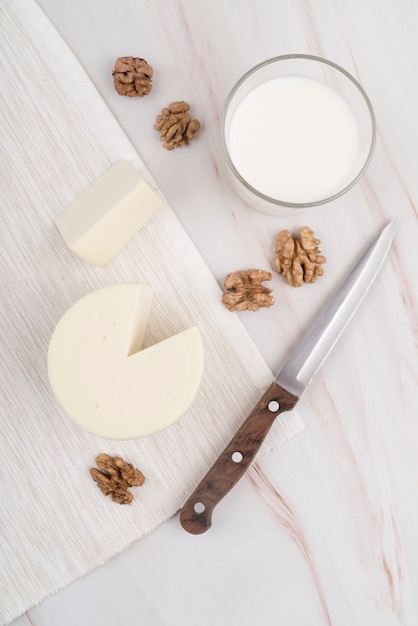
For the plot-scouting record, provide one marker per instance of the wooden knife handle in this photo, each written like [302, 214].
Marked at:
[196, 514]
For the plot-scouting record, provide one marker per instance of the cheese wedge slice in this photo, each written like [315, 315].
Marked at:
[103, 379]
[108, 214]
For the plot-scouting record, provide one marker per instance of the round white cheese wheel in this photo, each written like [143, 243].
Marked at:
[102, 378]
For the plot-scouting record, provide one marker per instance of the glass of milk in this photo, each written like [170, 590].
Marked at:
[297, 131]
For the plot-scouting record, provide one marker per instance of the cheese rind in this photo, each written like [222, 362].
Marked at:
[103, 218]
[105, 382]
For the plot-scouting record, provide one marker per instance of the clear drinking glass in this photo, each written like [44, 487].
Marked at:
[297, 131]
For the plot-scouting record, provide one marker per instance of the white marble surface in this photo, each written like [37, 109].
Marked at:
[322, 532]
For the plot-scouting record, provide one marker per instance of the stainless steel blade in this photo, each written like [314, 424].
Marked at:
[297, 373]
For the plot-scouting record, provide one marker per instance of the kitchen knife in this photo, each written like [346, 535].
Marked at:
[286, 388]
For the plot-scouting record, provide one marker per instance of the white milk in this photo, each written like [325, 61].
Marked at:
[294, 139]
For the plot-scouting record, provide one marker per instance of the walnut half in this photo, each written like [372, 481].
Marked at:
[115, 476]
[299, 259]
[132, 76]
[176, 125]
[245, 291]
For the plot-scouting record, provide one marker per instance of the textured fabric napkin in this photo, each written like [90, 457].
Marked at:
[57, 137]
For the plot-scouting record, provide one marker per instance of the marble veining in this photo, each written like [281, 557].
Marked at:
[290, 523]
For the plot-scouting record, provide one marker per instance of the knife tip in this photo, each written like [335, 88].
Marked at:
[390, 229]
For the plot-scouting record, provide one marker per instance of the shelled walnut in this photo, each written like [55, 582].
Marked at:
[176, 125]
[245, 291]
[132, 76]
[299, 259]
[115, 477]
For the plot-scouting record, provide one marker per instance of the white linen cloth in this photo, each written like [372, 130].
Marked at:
[56, 137]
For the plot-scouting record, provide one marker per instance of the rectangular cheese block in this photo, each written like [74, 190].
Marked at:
[108, 214]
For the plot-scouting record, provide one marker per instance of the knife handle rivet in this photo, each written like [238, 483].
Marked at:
[237, 457]
[273, 406]
[199, 507]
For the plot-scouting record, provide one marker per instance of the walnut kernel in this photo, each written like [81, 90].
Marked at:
[299, 259]
[115, 476]
[132, 76]
[245, 291]
[176, 125]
